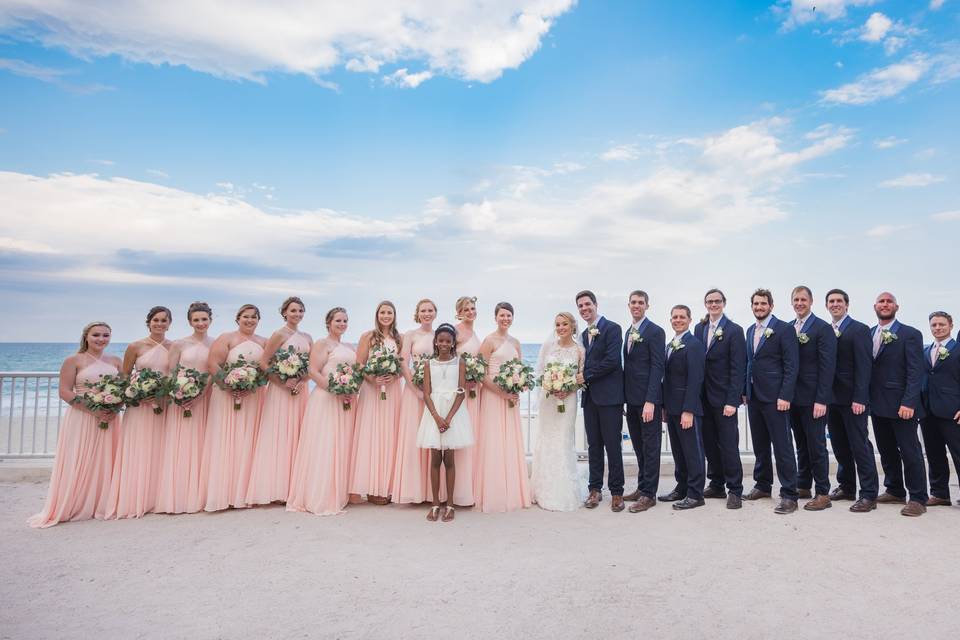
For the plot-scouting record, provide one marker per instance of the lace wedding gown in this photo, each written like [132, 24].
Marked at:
[555, 481]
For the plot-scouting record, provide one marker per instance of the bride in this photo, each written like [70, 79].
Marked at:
[555, 481]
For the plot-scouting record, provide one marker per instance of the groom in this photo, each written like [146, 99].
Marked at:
[602, 400]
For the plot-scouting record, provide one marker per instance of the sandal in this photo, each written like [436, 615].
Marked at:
[434, 514]
[448, 514]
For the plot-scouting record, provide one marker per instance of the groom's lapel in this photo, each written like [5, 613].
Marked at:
[763, 336]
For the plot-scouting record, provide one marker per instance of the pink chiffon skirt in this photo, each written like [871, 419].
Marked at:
[179, 488]
[374, 443]
[136, 465]
[228, 450]
[501, 465]
[276, 445]
[411, 468]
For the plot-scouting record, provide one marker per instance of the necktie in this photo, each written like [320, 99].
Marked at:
[590, 334]
[757, 333]
[713, 329]
[934, 353]
[876, 341]
[836, 328]
[629, 341]
[798, 325]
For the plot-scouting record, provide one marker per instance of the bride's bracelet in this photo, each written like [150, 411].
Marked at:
[460, 391]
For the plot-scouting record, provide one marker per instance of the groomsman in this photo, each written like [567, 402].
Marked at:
[770, 381]
[895, 385]
[847, 417]
[602, 401]
[683, 410]
[643, 360]
[726, 363]
[941, 402]
[808, 411]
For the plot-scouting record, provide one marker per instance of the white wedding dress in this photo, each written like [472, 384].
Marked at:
[555, 481]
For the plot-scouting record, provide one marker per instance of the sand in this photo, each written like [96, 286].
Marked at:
[384, 572]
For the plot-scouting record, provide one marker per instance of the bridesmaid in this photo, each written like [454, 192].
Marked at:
[133, 486]
[467, 342]
[179, 488]
[80, 481]
[283, 406]
[501, 460]
[321, 469]
[228, 443]
[373, 450]
[411, 468]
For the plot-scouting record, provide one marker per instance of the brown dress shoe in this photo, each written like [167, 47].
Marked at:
[889, 498]
[819, 503]
[913, 509]
[756, 494]
[734, 501]
[863, 505]
[632, 497]
[934, 501]
[714, 492]
[593, 500]
[785, 506]
[616, 504]
[841, 494]
[804, 493]
[642, 504]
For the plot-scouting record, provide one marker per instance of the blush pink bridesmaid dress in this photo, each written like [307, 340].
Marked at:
[501, 464]
[463, 493]
[321, 469]
[179, 490]
[136, 467]
[228, 443]
[80, 480]
[374, 443]
[278, 433]
[411, 468]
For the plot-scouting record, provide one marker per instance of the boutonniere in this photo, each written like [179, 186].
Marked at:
[887, 336]
[676, 344]
[718, 334]
[942, 353]
[837, 332]
[635, 336]
[593, 331]
[767, 332]
[803, 338]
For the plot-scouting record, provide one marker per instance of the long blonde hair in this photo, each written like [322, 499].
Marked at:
[378, 336]
[86, 330]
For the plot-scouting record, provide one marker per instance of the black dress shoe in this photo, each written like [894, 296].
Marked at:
[673, 496]
[841, 494]
[863, 505]
[688, 503]
[756, 494]
[714, 492]
[734, 501]
[786, 506]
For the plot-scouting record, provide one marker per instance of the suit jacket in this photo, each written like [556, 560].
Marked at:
[643, 365]
[818, 363]
[854, 364]
[772, 370]
[726, 363]
[897, 375]
[683, 377]
[941, 389]
[602, 370]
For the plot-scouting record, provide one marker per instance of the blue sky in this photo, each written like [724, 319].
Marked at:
[158, 154]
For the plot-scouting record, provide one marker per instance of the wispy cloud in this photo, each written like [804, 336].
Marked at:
[621, 152]
[909, 180]
[935, 5]
[796, 13]
[884, 230]
[880, 29]
[946, 215]
[50, 75]
[881, 83]
[157, 173]
[889, 142]
[405, 80]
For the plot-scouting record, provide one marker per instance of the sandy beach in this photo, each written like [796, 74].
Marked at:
[387, 573]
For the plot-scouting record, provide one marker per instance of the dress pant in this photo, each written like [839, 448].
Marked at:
[721, 443]
[901, 457]
[688, 458]
[940, 434]
[604, 426]
[771, 427]
[810, 434]
[646, 438]
[853, 450]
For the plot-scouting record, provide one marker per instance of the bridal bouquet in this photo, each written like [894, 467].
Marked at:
[418, 368]
[476, 369]
[147, 384]
[515, 377]
[345, 381]
[382, 362]
[289, 363]
[187, 384]
[106, 394]
[240, 376]
[559, 378]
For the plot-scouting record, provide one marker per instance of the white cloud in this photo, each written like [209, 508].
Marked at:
[49, 75]
[24, 246]
[881, 29]
[881, 83]
[883, 230]
[800, 12]
[460, 38]
[946, 215]
[158, 173]
[876, 27]
[909, 180]
[401, 78]
[936, 4]
[888, 142]
[621, 152]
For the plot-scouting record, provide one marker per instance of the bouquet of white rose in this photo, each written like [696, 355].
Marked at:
[186, 385]
[240, 376]
[345, 381]
[559, 378]
[418, 369]
[515, 377]
[106, 394]
[476, 368]
[147, 384]
[383, 361]
[289, 363]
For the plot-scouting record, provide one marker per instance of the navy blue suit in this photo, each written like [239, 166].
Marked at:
[849, 432]
[643, 362]
[602, 403]
[895, 381]
[682, 386]
[941, 402]
[726, 364]
[818, 360]
[772, 375]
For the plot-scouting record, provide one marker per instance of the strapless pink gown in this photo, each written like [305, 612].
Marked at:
[502, 483]
[136, 468]
[321, 470]
[464, 458]
[228, 444]
[375, 437]
[411, 467]
[80, 480]
[179, 490]
[277, 435]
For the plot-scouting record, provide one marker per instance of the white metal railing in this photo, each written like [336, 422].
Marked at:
[31, 409]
